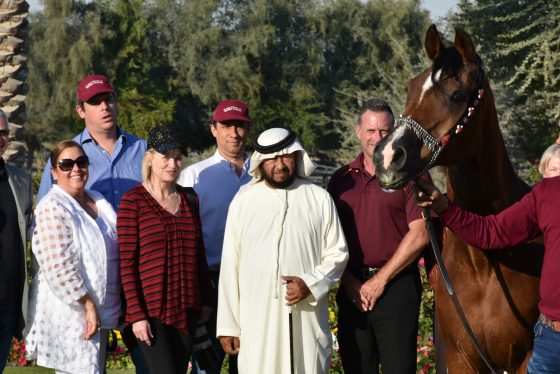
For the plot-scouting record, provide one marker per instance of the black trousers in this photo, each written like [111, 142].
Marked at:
[386, 335]
[170, 350]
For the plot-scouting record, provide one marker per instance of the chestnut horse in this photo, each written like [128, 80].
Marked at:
[450, 120]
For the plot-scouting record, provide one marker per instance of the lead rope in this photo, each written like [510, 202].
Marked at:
[450, 291]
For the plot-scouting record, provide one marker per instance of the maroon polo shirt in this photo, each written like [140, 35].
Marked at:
[537, 212]
[374, 221]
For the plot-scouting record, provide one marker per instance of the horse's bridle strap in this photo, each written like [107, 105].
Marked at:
[431, 142]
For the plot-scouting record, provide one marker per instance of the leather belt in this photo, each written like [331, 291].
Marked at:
[550, 323]
[369, 272]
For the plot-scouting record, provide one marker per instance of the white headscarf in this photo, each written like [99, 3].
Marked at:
[275, 142]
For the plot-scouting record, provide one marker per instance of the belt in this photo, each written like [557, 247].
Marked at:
[550, 323]
[369, 272]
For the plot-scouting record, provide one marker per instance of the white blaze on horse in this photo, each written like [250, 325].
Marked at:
[450, 120]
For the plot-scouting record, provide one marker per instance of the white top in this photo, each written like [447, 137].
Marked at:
[74, 256]
[270, 233]
[216, 182]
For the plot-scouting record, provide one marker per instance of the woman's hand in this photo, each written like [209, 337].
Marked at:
[92, 317]
[143, 331]
[427, 195]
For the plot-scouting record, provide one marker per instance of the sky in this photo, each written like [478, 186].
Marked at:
[437, 8]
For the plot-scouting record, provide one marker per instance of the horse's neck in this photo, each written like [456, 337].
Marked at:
[486, 183]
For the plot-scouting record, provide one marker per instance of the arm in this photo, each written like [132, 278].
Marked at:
[409, 250]
[512, 226]
[228, 329]
[46, 182]
[58, 256]
[334, 255]
[129, 246]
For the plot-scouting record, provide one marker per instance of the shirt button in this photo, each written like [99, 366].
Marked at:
[116, 192]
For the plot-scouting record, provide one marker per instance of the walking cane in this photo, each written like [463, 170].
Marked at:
[290, 323]
[291, 341]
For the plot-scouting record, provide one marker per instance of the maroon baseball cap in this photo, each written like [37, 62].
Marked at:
[231, 110]
[93, 85]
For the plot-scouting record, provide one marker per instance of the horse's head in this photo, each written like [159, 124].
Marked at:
[437, 125]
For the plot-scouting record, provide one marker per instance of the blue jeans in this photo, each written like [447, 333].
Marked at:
[8, 326]
[546, 351]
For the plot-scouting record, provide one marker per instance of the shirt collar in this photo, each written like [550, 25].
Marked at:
[358, 162]
[358, 165]
[85, 136]
[2, 167]
[222, 161]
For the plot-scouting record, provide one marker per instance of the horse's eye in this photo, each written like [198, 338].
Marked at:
[458, 97]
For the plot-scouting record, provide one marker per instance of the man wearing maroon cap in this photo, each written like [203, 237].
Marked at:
[216, 180]
[115, 156]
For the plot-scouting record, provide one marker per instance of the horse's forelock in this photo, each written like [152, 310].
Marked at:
[449, 62]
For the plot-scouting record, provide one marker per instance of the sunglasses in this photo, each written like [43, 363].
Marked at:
[67, 164]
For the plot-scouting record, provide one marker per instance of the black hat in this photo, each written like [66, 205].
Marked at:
[164, 139]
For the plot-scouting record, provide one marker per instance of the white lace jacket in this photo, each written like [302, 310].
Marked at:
[71, 255]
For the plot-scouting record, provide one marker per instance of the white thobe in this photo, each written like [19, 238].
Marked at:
[270, 233]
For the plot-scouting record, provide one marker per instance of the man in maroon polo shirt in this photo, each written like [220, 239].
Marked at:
[379, 298]
[534, 215]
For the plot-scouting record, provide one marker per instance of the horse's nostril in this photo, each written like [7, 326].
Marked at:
[399, 158]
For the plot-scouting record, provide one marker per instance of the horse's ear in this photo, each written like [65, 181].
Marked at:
[465, 45]
[433, 43]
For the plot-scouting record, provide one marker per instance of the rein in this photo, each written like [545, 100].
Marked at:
[431, 142]
[449, 286]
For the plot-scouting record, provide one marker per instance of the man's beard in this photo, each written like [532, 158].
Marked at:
[282, 185]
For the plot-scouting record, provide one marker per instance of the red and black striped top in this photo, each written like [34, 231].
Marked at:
[163, 264]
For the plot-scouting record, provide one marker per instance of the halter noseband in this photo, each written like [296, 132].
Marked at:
[431, 142]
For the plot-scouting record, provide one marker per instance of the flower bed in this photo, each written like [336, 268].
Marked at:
[119, 358]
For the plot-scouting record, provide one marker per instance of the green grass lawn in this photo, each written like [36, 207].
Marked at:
[40, 370]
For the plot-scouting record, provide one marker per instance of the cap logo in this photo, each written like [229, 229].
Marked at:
[233, 107]
[97, 81]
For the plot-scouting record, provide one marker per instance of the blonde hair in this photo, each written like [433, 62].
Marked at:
[146, 166]
[552, 151]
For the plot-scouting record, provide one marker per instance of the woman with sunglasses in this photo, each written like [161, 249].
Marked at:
[75, 292]
[163, 263]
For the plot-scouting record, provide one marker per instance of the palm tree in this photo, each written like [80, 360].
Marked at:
[13, 70]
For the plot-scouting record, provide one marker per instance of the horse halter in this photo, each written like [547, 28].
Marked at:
[431, 142]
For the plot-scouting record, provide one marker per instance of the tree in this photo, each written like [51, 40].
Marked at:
[67, 41]
[13, 70]
[373, 48]
[520, 44]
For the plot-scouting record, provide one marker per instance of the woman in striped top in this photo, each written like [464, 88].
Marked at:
[163, 264]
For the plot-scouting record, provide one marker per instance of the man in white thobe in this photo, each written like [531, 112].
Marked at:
[283, 249]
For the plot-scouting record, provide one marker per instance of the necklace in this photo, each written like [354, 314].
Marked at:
[172, 207]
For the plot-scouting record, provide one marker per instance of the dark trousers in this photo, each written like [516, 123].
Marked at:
[386, 335]
[170, 350]
[211, 328]
[8, 326]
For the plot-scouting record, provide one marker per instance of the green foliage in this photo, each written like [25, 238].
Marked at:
[390, 53]
[304, 65]
[519, 42]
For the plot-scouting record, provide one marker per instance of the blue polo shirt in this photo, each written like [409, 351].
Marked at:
[112, 176]
[216, 182]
